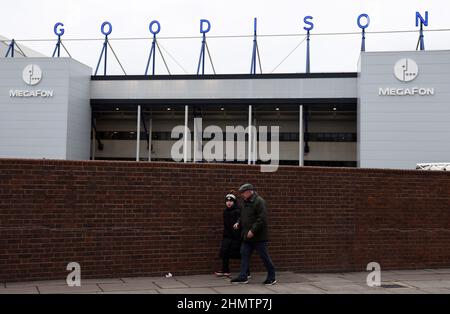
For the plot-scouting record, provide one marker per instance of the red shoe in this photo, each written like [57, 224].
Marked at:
[222, 274]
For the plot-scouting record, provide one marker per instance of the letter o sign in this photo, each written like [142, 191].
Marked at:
[367, 21]
[158, 29]
[104, 32]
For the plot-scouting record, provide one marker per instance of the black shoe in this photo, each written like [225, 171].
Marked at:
[239, 280]
[270, 282]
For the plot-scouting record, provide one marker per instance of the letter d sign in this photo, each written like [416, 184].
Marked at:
[208, 26]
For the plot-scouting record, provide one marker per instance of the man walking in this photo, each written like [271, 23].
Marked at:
[254, 231]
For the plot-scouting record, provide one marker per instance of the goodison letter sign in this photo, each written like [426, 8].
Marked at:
[363, 22]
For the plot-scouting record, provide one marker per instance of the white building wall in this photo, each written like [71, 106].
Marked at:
[79, 112]
[39, 127]
[401, 131]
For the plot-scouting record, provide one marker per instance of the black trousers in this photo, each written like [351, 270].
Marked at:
[226, 265]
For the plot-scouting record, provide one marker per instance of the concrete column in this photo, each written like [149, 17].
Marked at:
[185, 148]
[138, 133]
[255, 143]
[249, 135]
[150, 130]
[198, 139]
[94, 143]
[300, 137]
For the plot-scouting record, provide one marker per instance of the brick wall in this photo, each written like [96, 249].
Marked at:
[137, 219]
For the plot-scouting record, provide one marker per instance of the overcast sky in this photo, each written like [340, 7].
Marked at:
[27, 19]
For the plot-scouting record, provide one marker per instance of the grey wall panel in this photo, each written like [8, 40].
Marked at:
[79, 112]
[225, 88]
[39, 127]
[33, 127]
[401, 131]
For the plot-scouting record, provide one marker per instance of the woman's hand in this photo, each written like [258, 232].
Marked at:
[250, 234]
[236, 226]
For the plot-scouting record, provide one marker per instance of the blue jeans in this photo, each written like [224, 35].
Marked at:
[247, 249]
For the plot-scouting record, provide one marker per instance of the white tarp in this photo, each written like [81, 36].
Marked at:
[443, 166]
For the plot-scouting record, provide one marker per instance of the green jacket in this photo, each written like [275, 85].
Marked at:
[254, 217]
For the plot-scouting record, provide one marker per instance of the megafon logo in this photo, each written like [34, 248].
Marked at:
[32, 74]
[406, 70]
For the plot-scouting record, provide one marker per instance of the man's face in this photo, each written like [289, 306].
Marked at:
[247, 194]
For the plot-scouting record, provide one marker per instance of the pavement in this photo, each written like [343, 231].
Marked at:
[425, 281]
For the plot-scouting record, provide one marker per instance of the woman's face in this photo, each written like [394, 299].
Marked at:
[229, 203]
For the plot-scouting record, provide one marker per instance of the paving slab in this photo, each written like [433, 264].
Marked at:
[168, 283]
[187, 291]
[37, 283]
[360, 277]
[415, 282]
[418, 277]
[134, 279]
[295, 288]
[288, 277]
[440, 270]
[340, 287]
[253, 274]
[411, 272]
[429, 284]
[435, 290]
[406, 291]
[20, 290]
[131, 292]
[357, 291]
[204, 281]
[100, 281]
[343, 292]
[351, 289]
[258, 277]
[376, 290]
[326, 278]
[68, 290]
[244, 289]
[138, 285]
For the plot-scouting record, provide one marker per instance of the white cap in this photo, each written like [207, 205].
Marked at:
[230, 196]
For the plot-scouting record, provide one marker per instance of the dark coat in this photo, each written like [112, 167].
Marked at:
[231, 241]
[254, 217]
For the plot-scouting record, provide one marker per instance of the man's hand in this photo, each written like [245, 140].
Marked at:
[250, 234]
[236, 226]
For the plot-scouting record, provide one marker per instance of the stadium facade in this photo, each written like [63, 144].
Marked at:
[394, 112]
